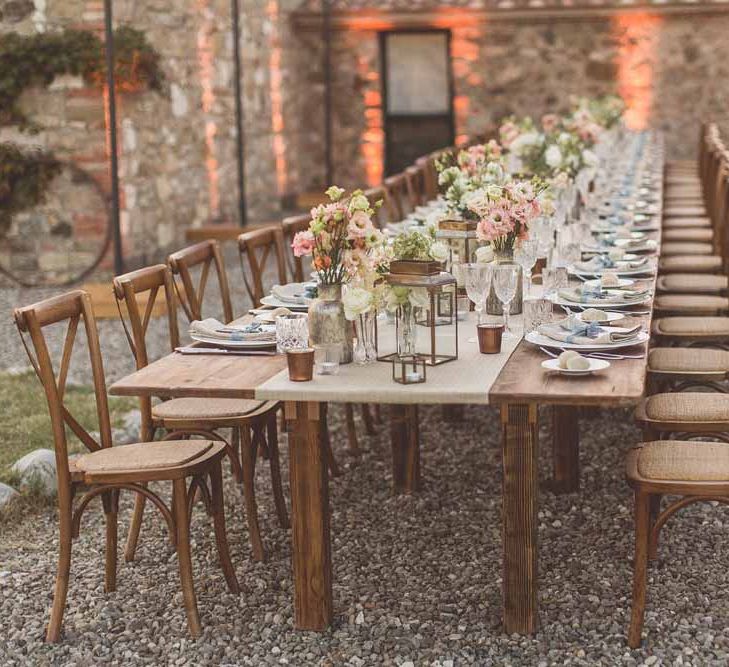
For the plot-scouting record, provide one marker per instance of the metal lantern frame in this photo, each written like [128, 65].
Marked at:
[458, 232]
[434, 285]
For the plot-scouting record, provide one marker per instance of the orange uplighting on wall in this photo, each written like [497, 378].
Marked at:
[464, 58]
[277, 119]
[205, 56]
[637, 36]
[372, 140]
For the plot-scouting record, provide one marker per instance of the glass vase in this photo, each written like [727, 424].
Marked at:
[406, 330]
[493, 305]
[365, 350]
[327, 324]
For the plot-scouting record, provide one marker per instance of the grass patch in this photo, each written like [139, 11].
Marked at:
[25, 424]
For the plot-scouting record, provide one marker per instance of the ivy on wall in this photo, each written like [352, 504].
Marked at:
[37, 59]
[24, 179]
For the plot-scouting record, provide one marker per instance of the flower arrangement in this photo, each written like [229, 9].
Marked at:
[475, 168]
[342, 239]
[416, 246]
[506, 212]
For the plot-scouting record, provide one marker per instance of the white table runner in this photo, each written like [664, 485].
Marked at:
[467, 380]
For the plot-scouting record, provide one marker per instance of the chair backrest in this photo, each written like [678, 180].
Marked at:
[131, 289]
[255, 248]
[400, 198]
[74, 308]
[430, 176]
[415, 175]
[291, 227]
[202, 255]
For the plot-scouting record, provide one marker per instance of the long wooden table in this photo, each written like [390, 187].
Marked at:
[519, 389]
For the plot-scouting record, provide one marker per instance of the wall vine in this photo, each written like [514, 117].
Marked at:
[32, 60]
[36, 60]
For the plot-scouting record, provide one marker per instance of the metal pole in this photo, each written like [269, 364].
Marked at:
[239, 138]
[113, 157]
[326, 66]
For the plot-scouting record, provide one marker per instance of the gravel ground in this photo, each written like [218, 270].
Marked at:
[416, 579]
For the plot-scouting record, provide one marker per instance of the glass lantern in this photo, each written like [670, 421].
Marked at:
[417, 329]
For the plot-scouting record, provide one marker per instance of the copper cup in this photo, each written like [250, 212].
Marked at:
[489, 338]
[301, 364]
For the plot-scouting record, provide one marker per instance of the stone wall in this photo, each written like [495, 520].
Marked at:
[177, 150]
[672, 71]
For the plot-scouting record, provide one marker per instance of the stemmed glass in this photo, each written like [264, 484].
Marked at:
[477, 279]
[506, 278]
[525, 255]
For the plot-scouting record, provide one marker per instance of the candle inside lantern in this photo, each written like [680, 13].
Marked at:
[328, 368]
[414, 376]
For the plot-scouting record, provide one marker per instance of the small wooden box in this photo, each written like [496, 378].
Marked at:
[457, 225]
[413, 267]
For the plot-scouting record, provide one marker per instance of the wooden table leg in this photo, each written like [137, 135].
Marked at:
[520, 443]
[311, 551]
[405, 440]
[565, 449]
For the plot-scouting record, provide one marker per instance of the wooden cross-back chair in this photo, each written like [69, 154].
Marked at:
[253, 423]
[105, 470]
[255, 248]
[401, 198]
[415, 175]
[205, 255]
[689, 471]
[430, 176]
[291, 227]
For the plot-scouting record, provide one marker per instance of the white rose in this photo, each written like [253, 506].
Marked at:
[439, 251]
[553, 156]
[525, 141]
[484, 254]
[356, 301]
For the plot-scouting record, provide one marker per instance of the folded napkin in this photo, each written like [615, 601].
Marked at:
[299, 298]
[603, 262]
[212, 328]
[571, 330]
[597, 295]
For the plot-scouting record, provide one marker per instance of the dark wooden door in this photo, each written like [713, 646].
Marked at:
[417, 95]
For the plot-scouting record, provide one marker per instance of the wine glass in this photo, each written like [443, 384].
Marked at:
[525, 255]
[506, 277]
[477, 280]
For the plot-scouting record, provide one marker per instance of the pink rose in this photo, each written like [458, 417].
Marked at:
[550, 121]
[303, 243]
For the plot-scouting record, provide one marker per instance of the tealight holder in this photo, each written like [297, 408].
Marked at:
[408, 369]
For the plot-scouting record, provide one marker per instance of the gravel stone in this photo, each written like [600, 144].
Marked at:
[38, 467]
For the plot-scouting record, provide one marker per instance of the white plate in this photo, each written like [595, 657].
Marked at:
[622, 282]
[235, 344]
[595, 365]
[294, 293]
[611, 317]
[272, 301]
[648, 267]
[601, 305]
[535, 338]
